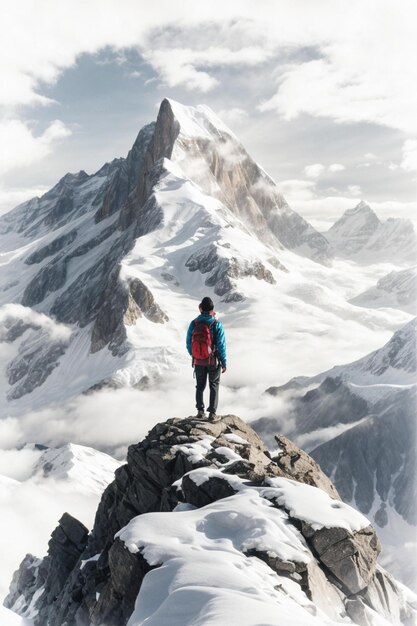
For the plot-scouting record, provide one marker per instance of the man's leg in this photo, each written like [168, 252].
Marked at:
[201, 380]
[214, 382]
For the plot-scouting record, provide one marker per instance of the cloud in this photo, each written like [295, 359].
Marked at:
[354, 190]
[349, 83]
[56, 331]
[23, 147]
[178, 67]
[188, 67]
[18, 464]
[230, 153]
[309, 441]
[409, 160]
[336, 167]
[235, 115]
[317, 169]
[296, 190]
[314, 171]
[11, 197]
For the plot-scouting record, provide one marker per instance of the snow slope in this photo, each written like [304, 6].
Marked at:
[396, 289]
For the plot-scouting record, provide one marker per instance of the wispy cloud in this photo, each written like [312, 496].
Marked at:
[56, 331]
[336, 167]
[409, 160]
[23, 146]
[314, 171]
[346, 80]
[11, 197]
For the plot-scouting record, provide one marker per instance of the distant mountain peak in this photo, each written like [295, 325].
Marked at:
[362, 206]
[361, 235]
[93, 469]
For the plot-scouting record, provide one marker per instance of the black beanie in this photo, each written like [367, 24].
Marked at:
[207, 304]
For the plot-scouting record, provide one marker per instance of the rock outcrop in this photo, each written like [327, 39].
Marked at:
[328, 550]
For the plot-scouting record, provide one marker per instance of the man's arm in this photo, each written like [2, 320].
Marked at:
[221, 344]
[189, 337]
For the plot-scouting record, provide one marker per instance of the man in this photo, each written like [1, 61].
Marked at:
[206, 344]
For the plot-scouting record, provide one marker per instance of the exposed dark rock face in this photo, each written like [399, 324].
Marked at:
[143, 298]
[123, 305]
[51, 248]
[31, 367]
[49, 279]
[67, 543]
[329, 404]
[351, 558]
[94, 579]
[223, 272]
[363, 464]
[26, 581]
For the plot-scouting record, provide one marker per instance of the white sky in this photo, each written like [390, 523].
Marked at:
[322, 94]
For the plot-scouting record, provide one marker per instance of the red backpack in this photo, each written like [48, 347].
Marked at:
[202, 346]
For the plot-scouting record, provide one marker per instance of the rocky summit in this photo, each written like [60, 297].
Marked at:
[204, 525]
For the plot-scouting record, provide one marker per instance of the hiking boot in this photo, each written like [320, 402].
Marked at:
[214, 418]
[201, 414]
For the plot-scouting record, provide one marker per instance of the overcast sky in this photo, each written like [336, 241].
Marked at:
[322, 93]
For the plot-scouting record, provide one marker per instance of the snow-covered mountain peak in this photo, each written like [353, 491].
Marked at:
[360, 234]
[361, 206]
[359, 222]
[195, 121]
[210, 155]
[93, 470]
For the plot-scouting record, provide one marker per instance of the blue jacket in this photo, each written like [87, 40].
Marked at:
[218, 336]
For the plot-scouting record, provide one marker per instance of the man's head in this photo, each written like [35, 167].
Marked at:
[206, 305]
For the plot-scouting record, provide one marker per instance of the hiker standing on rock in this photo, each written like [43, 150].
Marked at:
[206, 344]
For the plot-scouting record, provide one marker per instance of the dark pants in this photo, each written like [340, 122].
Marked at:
[213, 374]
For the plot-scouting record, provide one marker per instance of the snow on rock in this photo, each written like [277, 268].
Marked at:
[204, 566]
[198, 121]
[314, 506]
[325, 523]
[239, 523]
[195, 451]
